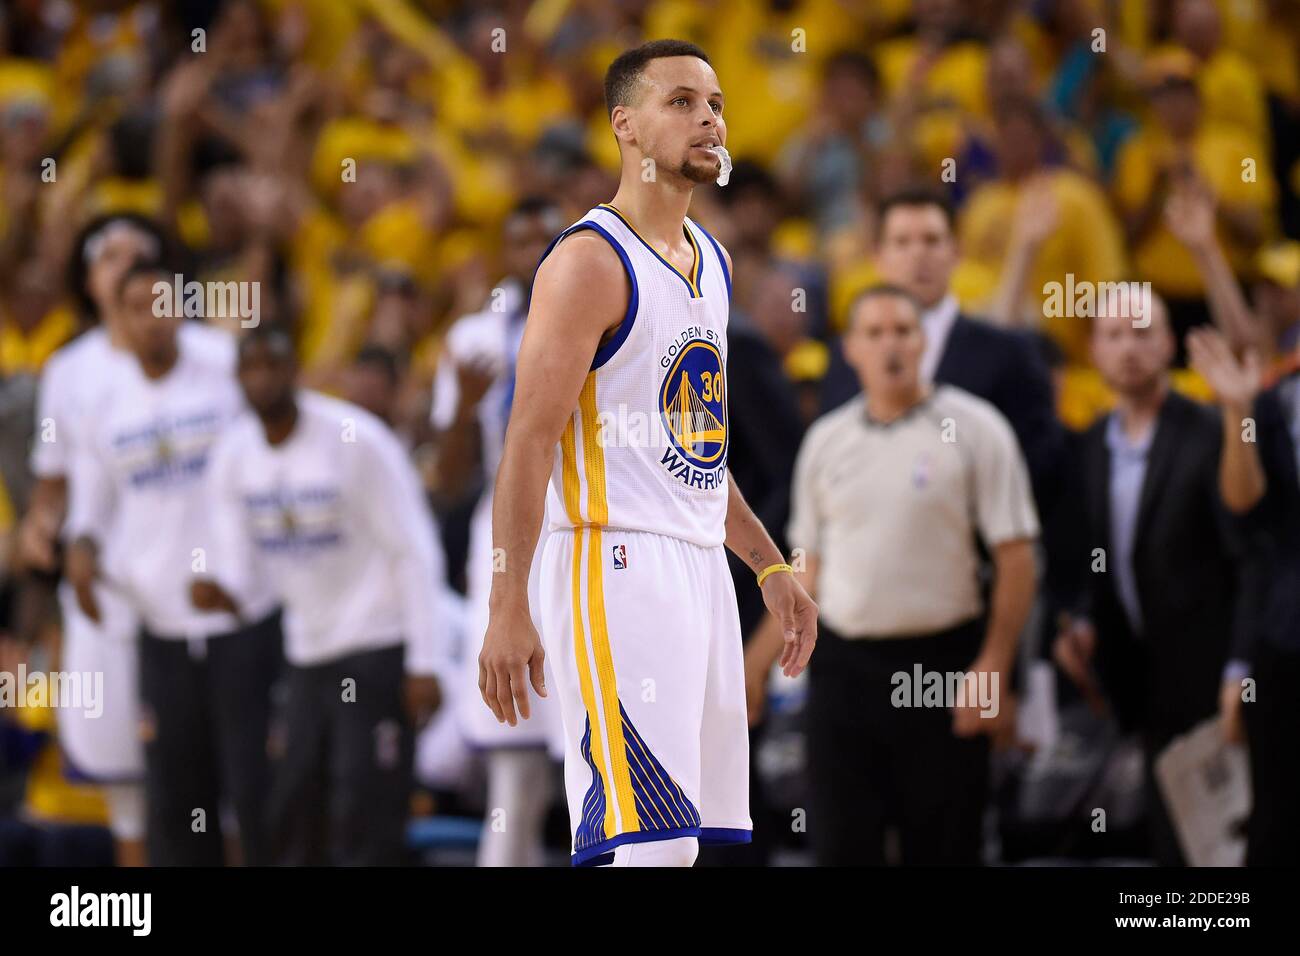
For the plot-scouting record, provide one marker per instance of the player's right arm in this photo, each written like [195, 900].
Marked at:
[580, 294]
[90, 511]
[38, 532]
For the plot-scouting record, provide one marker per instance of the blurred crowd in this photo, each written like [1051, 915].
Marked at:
[384, 168]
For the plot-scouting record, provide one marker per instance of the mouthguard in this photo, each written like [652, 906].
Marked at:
[724, 173]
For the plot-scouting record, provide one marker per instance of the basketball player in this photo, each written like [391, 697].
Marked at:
[471, 405]
[105, 749]
[139, 522]
[318, 494]
[620, 403]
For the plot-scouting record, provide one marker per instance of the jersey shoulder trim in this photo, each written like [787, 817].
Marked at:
[692, 281]
[607, 351]
[722, 260]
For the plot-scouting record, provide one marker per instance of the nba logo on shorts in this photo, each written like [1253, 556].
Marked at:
[620, 557]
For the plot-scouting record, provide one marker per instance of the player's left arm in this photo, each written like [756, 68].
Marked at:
[784, 596]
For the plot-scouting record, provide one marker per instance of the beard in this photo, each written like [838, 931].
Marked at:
[1134, 381]
[699, 172]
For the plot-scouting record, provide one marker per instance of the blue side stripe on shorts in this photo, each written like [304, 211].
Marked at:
[591, 828]
[653, 786]
[661, 804]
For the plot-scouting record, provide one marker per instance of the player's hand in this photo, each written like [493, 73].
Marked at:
[1230, 722]
[36, 542]
[790, 604]
[421, 696]
[208, 595]
[512, 655]
[81, 567]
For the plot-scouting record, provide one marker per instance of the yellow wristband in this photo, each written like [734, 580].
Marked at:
[772, 569]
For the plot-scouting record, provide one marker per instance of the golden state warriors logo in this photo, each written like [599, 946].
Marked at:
[693, 403]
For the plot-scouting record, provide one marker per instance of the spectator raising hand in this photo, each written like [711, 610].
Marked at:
[1235, 382]
[1189, 214]
[1037, 216]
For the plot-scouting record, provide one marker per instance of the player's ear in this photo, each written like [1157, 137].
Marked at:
[621, 120]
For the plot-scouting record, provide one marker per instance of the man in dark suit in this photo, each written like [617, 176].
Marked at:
[1159, 605]
[916, 249]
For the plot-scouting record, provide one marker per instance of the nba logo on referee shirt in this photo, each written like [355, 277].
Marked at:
[620, 557]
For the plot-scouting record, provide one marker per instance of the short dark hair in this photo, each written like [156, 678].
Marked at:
[621, 77]
[883, 290]
[912, 196]
[79, 269]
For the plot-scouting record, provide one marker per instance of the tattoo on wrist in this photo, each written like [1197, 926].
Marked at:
[755, 558]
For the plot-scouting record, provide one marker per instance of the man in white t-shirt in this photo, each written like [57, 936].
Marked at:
[139, 524]
[317, 495]
[103, 747]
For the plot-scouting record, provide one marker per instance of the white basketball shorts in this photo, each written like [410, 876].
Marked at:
[643, 638]
[101, 739]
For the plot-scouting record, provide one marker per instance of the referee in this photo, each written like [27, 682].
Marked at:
[891, 493]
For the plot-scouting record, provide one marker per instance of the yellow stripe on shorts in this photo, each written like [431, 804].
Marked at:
[569, 469]
[598, 511]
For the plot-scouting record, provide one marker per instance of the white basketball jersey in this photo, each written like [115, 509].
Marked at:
[646, 448]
